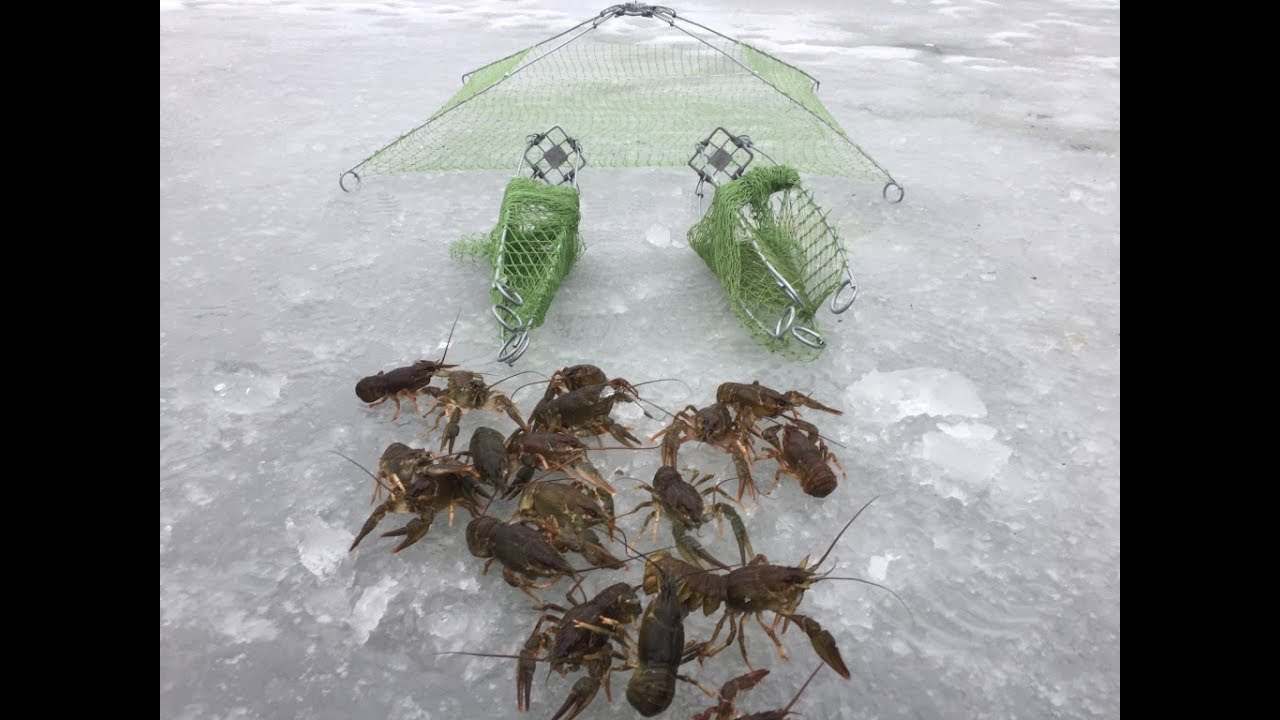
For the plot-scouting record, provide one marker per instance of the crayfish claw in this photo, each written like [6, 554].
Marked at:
[691, 550]
[369, 525]
[504, 404]
[588, 472]
[621, 434]
[414, 530]
[584, 691]
[525, 670]
[823, 644]
[797, 398]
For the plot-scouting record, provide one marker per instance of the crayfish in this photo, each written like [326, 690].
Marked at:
[582, 637]
[488, 451]
[715, 426]
[802, 454]
[683, 502]
[403, 382]
[551, 451]
[572, 378]
[566, 513]
[466, 391]
[755, 401]
[584, 412]
[396, 461]
[660, 651]
[524, 554]
[725, 709]
[430, 488]
[752, 590]
[575, 402]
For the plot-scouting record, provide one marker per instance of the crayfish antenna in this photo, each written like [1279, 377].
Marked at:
[535, 382]
[353, 462]
[476, 654]
[812, 675]
[379, 485]
[449, 340]
[522, 372]
[846, 527]
[882, 587]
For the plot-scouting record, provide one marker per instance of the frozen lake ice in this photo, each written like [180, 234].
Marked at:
[979, 369]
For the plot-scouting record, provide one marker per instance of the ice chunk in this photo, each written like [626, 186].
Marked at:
[370, 608]
[967, 451]
[320, 547]
[244, 628]
[659, 236]
[889, 397]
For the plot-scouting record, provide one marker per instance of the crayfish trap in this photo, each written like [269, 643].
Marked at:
[770, 244]
[635, 94]
[536, 240]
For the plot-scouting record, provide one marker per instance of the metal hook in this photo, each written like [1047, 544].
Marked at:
[901, 192]
[848, 282]
[517, 326]
[512, 296]
[784, 322]
[342, 181]
[803, 334]
[785, 286]
[510, 352]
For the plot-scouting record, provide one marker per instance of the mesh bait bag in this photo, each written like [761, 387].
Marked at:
[536, 240]
[775, 254]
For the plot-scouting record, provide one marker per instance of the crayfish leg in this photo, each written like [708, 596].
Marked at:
[622, 434]
[413, 400]
[777, 643]
[451, 430]
[706, 690]
[742, 641]
[708, 650]
[777, 480]
[831, 457]
[745, 482]
[739, 529]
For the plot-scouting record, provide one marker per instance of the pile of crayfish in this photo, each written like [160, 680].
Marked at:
[565, 506]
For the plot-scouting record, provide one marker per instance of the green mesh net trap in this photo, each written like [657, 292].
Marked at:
[638, 93]
[771, 246]
[536, 240]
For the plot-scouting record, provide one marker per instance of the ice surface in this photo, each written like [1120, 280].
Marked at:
[978, 370]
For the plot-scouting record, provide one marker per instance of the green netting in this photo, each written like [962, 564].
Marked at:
[638, 91]
[766, 216]
[532, 248]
